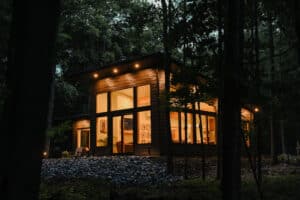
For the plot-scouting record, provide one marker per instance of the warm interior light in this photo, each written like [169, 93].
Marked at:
[256, 109]
[95, 75]
[115, 70]
[136, 65]
[45, 153]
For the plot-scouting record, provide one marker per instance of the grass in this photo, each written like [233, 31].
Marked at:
[274, 188]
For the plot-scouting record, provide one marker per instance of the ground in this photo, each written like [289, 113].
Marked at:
[134, 177]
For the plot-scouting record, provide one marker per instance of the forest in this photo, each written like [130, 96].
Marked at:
[248, 50]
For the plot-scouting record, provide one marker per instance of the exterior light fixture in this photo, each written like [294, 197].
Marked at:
[95, 75]
[136, 65]
[115, 70]
[256, 109]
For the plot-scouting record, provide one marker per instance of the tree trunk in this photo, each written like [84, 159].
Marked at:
[185, 144]
[230, 101]
[282, 136]
[297, 26]
[170, 167]
[24, 121]
[219, 67]
[202, 144]
[50, 114]
[257, 83]
[272, 71]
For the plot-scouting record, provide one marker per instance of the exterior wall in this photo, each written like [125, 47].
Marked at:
[156, 79]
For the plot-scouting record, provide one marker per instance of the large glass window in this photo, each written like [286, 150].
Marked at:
[144, 127]
[143, 95]
[101, 103]
[208, 129]
[174, 126]
[190, 136]
[122, 99]
[188, 127]
[204, 129]
[198, 134]
[182, 128]
[205, 107]
[101, 132]
[211, 130]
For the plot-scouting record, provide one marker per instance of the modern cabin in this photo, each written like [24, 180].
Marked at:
[126, 114]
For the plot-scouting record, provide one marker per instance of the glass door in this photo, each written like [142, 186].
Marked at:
[123, 134]
[83, 138]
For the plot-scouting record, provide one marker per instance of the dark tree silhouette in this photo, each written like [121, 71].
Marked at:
[167, 57]
[230, 99]
[29, 77]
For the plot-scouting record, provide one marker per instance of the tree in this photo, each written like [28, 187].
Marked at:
[230, 101]
[167, 61]
[29, 77]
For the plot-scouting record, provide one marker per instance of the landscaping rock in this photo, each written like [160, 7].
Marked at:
[135, 170]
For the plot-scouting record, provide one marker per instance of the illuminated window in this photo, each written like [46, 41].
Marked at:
[122, 99]
[144, 127]
[182, 128]
[101, 103]
[101, 132]
[198, 134]
[190, 128]
[143, 95]
[204, 129]
[205, 107]
[211, 130]
[174, 126]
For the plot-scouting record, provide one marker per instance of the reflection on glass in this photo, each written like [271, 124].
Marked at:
[122, 99]
[174, 126]
[211, 130]
[117, 137]
[143, 95]
[182, 128]
[83, 138]
[144, 127]
[101, 132]
[198, 134]
[101, 103]
[190, 128]
[204, 129]
[123, 134]
[127, 146]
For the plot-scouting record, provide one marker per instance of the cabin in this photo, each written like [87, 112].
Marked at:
[125, 113]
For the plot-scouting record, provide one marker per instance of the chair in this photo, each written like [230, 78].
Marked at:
[78, 152]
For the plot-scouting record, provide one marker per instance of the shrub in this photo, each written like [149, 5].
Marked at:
[65, 154]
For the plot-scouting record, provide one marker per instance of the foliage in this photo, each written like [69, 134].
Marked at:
[65, 154]
[57, 132]
[97, 32]
[287, 158]
[281, 187]
[5, 19]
